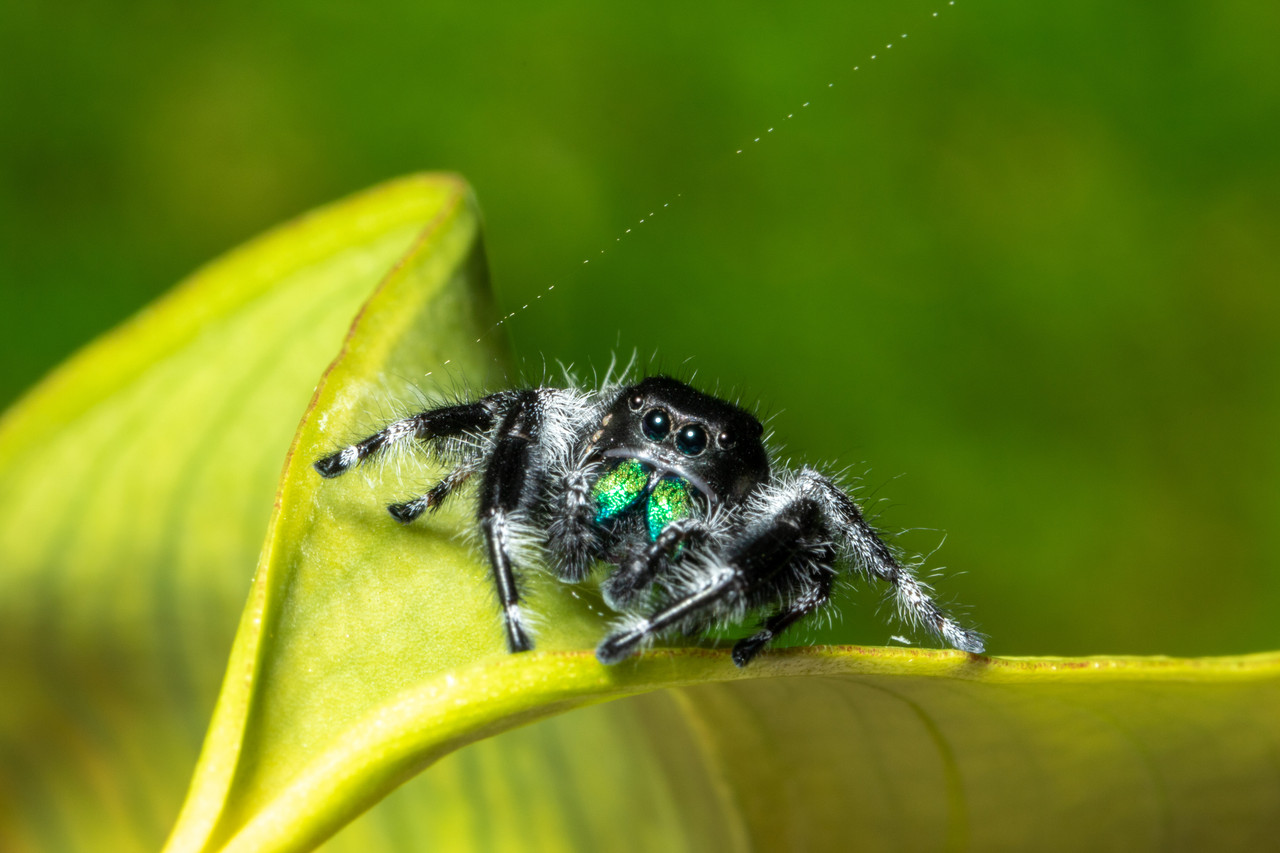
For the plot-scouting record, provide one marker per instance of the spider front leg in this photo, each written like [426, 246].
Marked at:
[717, 587]
[644, 564]
[774, 552]
[508, 493]
[813, 596]
[572, 533]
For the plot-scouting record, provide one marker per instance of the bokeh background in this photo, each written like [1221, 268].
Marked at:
[1020, 271]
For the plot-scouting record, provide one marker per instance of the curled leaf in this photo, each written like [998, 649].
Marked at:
[138, 484]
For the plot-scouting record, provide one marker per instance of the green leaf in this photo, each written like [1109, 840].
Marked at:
[139, 479]
[138, 483]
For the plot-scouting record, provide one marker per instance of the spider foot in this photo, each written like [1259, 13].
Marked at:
[408, 511]
[518, 639]
[746, 649]
[619, 647]
[337, 464]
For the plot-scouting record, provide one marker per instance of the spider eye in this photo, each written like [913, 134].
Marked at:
[656, 424]
[691, 440]
[636, 401]
[726, 439]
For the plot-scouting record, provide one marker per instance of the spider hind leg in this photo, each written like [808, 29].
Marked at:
[858, 541]
[445, 422]
[413, 509]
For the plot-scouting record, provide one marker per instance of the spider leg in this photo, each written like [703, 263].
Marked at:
[780, 545]
[508, 491]
[445, 422]
[618, 646]
[572, 533]
[861, 542]
[411, 510]
[814, 594]
[644, 564]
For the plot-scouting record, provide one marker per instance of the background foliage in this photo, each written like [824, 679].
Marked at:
[1029, 262]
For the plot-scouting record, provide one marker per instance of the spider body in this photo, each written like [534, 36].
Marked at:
[672, 487]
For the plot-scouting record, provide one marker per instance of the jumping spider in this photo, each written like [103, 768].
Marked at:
[671, 486]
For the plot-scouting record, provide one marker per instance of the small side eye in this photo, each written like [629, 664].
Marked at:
[691, 440]
[656, 424]
[726, 439]
[636, 401]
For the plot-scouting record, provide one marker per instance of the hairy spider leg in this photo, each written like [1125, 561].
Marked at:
[789, 544]
[642, 565]
[443, 423]
[411, 510]
[507, 492]
[573, 535]
[621, 645]
[815, 594]
[780, 546]
[860, 542]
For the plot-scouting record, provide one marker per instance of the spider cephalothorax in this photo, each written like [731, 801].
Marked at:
[713, 445]
[672, 487]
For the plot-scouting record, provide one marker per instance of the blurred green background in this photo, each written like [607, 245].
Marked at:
[1020, 271]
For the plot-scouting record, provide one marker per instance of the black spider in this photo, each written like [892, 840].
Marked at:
[673, 487]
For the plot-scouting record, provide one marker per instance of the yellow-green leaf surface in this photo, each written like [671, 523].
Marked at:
[138, 488]
[138, 481]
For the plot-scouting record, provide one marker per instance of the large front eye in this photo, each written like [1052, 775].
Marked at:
[656, 424]
[691, 440]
